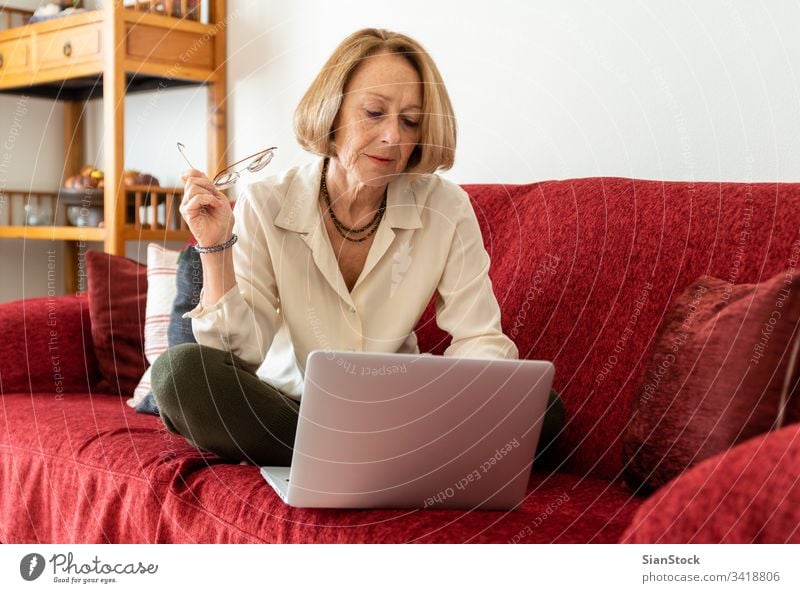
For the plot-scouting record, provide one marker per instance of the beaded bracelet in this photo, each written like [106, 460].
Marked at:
[220, 247]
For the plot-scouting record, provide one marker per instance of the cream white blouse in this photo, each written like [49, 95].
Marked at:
[291, 297]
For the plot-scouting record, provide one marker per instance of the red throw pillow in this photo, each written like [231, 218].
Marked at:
[117, 299]
[47, 347]
[719, 374]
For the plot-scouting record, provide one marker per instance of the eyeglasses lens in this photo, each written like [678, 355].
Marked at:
[226, 180]
[260, 161]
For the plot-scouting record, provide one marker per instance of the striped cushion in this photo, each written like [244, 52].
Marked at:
[162, 267]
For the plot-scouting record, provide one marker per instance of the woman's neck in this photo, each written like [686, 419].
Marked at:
[354, 203]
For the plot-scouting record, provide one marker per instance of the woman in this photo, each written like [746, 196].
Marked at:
[341, 254]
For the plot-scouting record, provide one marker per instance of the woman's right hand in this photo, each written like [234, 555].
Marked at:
[205, 209]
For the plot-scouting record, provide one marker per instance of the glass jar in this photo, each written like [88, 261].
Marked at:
[85, 215]
[38, 211]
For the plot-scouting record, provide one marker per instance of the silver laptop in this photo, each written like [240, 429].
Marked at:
[414, 431]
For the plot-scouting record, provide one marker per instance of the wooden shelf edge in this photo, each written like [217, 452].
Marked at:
[26, 82]
[53, 233]
[73, 233]
[54, 24]
[197, 76]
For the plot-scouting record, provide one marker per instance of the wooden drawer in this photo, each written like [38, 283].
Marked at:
[15, 56]
[74, 45]
[169, 47]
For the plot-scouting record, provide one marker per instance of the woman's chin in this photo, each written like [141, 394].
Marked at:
[370, 175]
[375, 178]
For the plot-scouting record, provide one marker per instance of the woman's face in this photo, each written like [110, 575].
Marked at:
[377, 127]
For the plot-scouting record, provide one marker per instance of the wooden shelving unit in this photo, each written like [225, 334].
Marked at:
[108, 53]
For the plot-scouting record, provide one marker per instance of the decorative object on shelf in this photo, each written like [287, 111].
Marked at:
[46, 11]
[189, 9]
[21, 207]
[88, 177]
[84, 206]
[146, 213]
[81, 216]
[83, 195]
[38, 211]
[133, 177]
[55, 10]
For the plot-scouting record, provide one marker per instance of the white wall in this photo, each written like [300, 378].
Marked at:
[31, 158]
[661, 89]
[552, 89]
[542, 89]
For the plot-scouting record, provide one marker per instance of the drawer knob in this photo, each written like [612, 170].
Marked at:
[68, 49]
[1, 60]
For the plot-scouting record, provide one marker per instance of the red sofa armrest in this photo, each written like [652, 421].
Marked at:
[46, 346]
[748, 494]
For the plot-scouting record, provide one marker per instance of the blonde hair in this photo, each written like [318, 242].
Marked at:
[317, 110]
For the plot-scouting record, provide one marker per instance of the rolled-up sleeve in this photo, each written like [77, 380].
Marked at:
[466, 307]
[246, 318]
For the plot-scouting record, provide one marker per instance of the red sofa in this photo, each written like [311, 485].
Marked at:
[569, 259]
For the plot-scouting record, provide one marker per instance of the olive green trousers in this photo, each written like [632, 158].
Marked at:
[211, 398]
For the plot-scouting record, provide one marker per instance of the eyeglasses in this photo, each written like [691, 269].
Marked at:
[230, 175]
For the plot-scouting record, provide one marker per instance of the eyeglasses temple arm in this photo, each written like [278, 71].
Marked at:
[181, 147]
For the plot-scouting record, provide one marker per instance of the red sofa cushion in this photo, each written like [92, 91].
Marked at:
[748, 494]
[716, 376]
[117, 300]
[584, 270]
[47, 346]
[91, 470]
